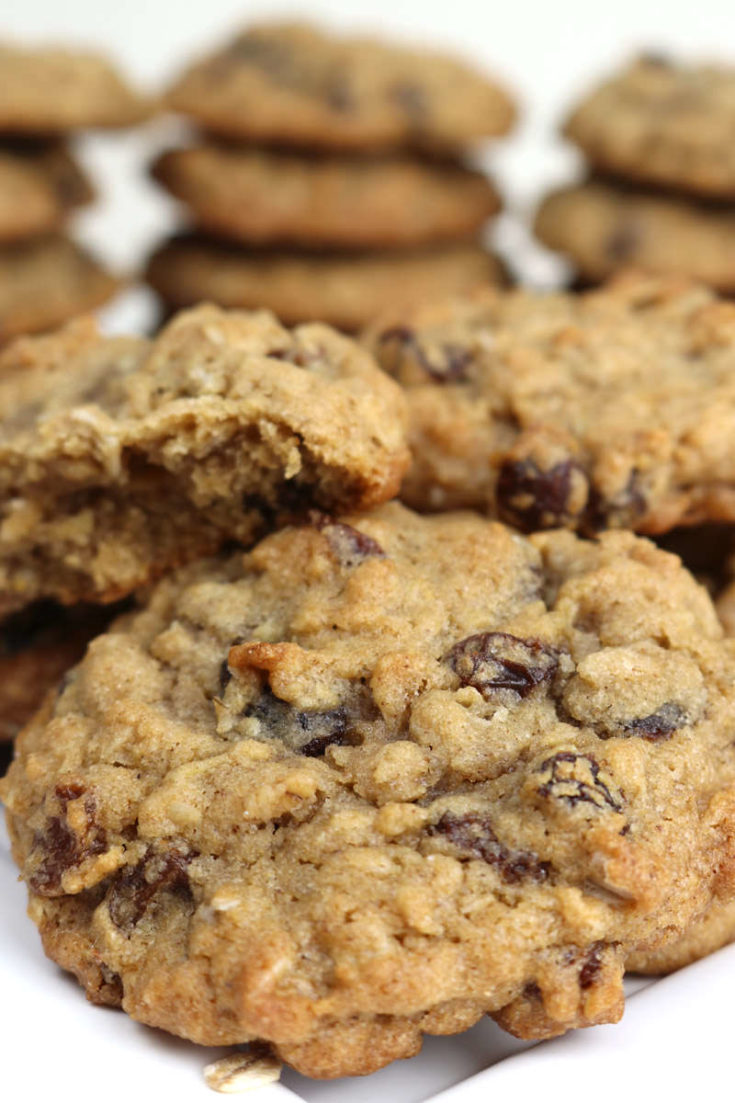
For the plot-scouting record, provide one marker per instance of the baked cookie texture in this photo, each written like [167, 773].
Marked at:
[604, 226]
[662, 123]
[37, 647]
[39, 185]
[121, 457]
[346, 290]
[49, 91]
[379, 776]
[614, 408]
[45, 281]
[293, 84]
[261, 196]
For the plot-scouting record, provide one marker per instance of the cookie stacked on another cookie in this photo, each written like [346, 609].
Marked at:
[123, 457]
[329, 181]
[661, 195]
[45, 96]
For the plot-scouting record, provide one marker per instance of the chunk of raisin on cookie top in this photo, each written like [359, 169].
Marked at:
[384, 769]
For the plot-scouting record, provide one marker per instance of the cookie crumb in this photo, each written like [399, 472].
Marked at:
[243, 1071]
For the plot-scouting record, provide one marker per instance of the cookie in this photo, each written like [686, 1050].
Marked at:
[37, 647]
[51, 91]
[261, 197]
[121, 457]
[46, 281]
[604, 226]
[294, 84]
[710, 932]
[347, 291]
[379, 776]
[38, 187]
[662, 123]
[614, 408]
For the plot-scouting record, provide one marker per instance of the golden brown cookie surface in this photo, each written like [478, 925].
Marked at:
[49, 91]
[379, 776]
[121, 457]
[614, 408]
[293, 84]
[255, 196]
[46, 281]
[346, 290]
[603, 227]
[662, 123]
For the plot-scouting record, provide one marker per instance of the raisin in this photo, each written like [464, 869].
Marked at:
[412, 100]
[339, 95]
[135, 887]
[654, 58]
[225, 676]
[659, 725]
[623, 241]
[61, 847]
[349, 545]
[575, 778]
[621, 511]
[493, 661]
[449, 365]
[308, 732]
[592, 966]
[473, 836]
[532, 498]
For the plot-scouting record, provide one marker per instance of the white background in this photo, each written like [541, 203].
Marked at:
[674, 1040]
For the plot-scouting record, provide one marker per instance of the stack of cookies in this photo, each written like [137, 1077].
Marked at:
[330, 179]
[658, 140]
[45, 96]
[380, 772]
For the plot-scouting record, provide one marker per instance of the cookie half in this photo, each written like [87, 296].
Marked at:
[50, 91]
[614, 408]
[603, 226]
[662, 123]
[122, 457]
[259, 197]
[46, 281]
[39, 185]
[293, 84]
[378, 777]
[347, 291]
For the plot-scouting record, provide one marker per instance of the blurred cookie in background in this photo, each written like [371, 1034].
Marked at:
[602, 225]
[663, 123]
[345, 290]
[259, 196]
[657, 139]
[359, 151]
[47, 96]
[40, 183]
[49, 90]
[295, 84]
[45, 281]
